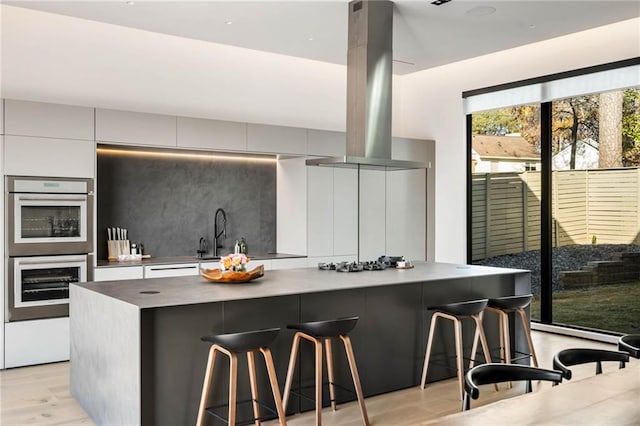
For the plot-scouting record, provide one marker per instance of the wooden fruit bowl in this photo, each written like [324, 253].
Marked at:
[218, 276]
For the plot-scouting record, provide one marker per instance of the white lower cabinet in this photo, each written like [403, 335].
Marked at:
[290, 263]
[36, 342]
[118, 273]
[173, 270]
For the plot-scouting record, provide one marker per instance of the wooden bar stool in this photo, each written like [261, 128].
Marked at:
[231, 345]
[503, 306]
[456, 312]
[317, 332]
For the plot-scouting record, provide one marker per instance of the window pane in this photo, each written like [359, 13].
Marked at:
[506, 191]
[595, 206]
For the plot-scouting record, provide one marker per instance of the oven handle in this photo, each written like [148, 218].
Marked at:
[48, 262]
[41, 197]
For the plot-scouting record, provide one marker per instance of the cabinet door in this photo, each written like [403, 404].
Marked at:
[276, 139]
[211, 134]
[27, 156]
[1, 116]
[118, 273]
[177, 270]
[372, 214]
[410, 149]
[320, 211]
[291, 217]
[36, 342]
[135, 128]
[46, 120]
[406, 214]
[326, 143]
[345, 212]
[300, 262]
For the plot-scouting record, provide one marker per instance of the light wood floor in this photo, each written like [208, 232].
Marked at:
[40, 395]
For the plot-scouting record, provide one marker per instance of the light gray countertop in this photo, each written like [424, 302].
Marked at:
[176, 291]
[190, 259]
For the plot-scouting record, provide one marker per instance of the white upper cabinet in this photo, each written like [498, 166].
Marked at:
[276, 139]
[372, 214]
[410, 149]
[1, 117]
[211, 134]
[136, 128]
[406, 218]
[24, 118]
[29, 156]
[320, 211]
[326, 143]
[345, 212]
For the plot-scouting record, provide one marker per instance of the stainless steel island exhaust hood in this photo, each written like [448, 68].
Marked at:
[369, 81]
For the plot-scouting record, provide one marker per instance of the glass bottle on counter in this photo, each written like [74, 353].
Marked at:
[236, 248]
[243, 246]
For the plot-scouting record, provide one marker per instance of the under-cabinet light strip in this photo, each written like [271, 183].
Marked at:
[203, 156]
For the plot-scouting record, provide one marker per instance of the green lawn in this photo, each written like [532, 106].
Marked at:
[613, 307]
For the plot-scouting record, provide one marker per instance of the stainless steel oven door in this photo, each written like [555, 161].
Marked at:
[38, 286]
[49, 223]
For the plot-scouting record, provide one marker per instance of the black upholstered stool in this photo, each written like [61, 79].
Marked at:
[231, 345]
[630, 343]
[317, 332]
[456, 312]
[503, 306]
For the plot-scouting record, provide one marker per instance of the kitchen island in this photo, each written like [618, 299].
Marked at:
[136, 354]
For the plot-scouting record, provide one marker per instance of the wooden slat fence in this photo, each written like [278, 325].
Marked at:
[506, 209]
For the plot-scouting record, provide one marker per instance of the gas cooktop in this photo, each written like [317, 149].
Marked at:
[381, 264]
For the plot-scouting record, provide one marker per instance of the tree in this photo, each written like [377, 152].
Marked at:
[631, 127]
[610, 129]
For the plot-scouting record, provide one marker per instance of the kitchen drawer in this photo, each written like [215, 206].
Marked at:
[174, 270]
[118, 273]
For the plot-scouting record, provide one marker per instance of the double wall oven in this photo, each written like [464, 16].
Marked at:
[49, 241]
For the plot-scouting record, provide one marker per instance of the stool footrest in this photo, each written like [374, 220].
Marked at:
[210, 410]
[298, 391]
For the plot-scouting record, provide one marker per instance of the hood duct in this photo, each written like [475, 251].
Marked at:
[369, 81]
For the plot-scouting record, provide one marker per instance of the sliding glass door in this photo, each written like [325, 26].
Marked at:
[596, 212]
[505, 190]
[554, 187]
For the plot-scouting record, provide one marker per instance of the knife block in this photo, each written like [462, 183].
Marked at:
[117, 248]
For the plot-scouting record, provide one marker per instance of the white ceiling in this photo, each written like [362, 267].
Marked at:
[425, 35]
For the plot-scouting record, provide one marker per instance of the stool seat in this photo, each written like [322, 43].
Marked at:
[511, 302]
[243, 342]
[462, 309]
[328, 328]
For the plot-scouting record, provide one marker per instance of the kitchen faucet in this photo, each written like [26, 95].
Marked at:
[217, 234]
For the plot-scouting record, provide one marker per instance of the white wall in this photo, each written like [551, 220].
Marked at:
[53, 58]
[434, 107]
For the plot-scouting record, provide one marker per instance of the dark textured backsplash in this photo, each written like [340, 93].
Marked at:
[168, 203]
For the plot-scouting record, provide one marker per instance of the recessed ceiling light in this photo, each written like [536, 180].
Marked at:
[309, 38]
[228, 22]
[481, 11]
[130, 3]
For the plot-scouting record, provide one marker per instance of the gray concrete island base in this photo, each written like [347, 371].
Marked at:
[137, 358]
